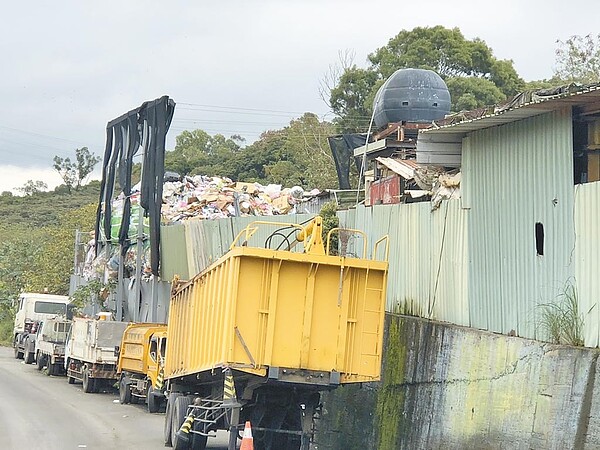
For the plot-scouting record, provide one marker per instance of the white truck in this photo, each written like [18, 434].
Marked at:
[50, 345]
[90, 352]
[32, 309]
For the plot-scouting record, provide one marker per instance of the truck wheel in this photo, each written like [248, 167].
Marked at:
[40, 361]
[29, 356]
[18, 353]
[169, 417]
[70, 379]
[179, 412]
[152, 401]
[50, 369]
[89, 384]
[124, 392]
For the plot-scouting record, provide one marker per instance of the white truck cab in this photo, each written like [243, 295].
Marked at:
[33, 308]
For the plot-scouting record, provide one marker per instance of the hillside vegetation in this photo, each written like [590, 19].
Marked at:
[37, 243]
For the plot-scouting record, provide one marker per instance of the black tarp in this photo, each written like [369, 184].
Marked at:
[146, 128]
[342, 148]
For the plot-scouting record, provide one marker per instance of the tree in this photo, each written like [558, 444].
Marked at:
[74, 173]
[53, 264]
[464, 89]
[460, 62]
[33, 187]
[296, 154]
[196, 152]
[352, 99]
[578, 59]
[307, 139]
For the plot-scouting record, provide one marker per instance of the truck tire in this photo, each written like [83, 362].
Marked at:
[179, 412]
[70, 379]
[40, 361]
[89, 384]
[51, 369]
[169, 417]
[152, 400]
[18, 353]
[29, 356]
[124, 392]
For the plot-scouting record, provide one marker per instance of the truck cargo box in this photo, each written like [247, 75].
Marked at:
[282, 315]
[136, 346]
[94, 341]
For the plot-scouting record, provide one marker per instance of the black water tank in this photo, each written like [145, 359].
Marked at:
[411, 95]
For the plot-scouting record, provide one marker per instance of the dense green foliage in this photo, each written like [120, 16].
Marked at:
[295, 155]
[578, 59]
[37, 243]
[473, 75]
[45, 208]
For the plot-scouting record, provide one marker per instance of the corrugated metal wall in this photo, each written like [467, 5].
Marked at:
[515, 176]
[474, 261]
[202, 242]
[428, 256]
[587, 256]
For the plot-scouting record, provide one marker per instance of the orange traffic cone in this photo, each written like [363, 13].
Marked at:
[247, 441]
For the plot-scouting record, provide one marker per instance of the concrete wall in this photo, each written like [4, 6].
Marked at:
[449, 387]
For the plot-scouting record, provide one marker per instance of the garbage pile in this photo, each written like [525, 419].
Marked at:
[219, 197]
[190, 197]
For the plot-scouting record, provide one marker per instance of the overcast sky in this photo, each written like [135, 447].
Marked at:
[232, 67]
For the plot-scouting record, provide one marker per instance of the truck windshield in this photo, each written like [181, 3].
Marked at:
[50, 308]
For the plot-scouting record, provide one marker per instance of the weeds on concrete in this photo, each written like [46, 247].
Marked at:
[561, 320]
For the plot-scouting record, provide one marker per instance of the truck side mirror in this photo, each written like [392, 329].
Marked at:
[117, 350]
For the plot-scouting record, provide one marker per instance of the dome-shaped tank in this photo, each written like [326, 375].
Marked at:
[411, 95]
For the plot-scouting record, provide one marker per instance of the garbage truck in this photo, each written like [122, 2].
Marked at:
[50, 345]
[140, 367]
[259, 334]
[90, 351]
[32, 309]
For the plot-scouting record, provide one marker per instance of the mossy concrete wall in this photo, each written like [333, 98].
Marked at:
[450, 387]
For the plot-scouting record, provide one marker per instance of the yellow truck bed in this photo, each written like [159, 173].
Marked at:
[264, 312]
[133, 353]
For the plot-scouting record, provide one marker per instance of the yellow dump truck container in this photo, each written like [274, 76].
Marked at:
[134, 352]
[141, 364]
[296, 317]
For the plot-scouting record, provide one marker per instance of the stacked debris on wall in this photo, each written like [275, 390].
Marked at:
[406, 181]
[219, 197]
[196, 197]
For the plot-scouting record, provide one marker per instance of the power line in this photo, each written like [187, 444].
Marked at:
[29, 145]
[248, 113]
[240, 108]
[40, 134]
[239, 122]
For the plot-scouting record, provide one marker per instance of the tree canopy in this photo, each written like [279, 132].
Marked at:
[36, 250]
[473, 75]
[578, 59]
[297, 154]
[32, 187]
[74, 173]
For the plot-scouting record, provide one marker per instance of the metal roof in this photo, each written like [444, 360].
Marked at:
[540, 105]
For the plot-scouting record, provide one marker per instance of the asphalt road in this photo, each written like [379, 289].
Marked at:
[45, 412]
